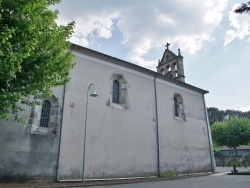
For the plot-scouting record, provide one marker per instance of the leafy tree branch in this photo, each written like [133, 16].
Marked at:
[34, 53]
[243, 8]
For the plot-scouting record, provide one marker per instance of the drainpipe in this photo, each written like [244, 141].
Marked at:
[213, 166]
[60, 134]
[157, 130]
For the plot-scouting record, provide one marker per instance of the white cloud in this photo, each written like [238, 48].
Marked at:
[93, 26]
[136, 53]
[79, 40]
[186, 25]
[145, 25]
[192, 43]
[240, 24]
[214, 12]
[164, 19]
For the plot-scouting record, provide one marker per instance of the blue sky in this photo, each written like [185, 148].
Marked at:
[214, 41]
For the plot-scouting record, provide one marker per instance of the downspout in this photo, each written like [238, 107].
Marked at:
[209, 138]
[157, 130]
[60, 134]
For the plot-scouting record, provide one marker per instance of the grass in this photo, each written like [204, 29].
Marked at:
[169, 173]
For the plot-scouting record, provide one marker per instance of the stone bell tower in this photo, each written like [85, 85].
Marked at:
[171, 65]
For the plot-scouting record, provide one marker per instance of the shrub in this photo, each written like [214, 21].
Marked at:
[246, 160]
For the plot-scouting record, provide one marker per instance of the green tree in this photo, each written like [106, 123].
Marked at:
[246, 160]
[219, 133]
[243, 8]
[34, 53]
[214, 115]
[238, 132]
[234, 162]
[232, 133]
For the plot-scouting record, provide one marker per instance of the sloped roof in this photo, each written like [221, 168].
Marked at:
[132, 66]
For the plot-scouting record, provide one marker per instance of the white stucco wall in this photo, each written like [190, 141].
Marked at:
[184, 144]
[122, 142]
[26, 155]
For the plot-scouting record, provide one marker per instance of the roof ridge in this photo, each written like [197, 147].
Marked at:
[127, 64]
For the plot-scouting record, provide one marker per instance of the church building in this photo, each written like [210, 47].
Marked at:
[114, 119]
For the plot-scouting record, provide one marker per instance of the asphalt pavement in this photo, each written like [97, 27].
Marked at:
[201, 180]
[223, 181]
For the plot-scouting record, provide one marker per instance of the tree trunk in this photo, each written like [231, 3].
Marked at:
[236, 154]
[234, 171]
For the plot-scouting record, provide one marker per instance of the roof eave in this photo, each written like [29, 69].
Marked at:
[123, 63]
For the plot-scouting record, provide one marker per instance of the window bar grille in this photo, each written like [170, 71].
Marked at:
[44, 121]
[176, 113]
[115, 92]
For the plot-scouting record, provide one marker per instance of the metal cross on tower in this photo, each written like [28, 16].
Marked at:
[167, 45]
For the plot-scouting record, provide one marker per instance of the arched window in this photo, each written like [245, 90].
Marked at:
[178, 107]
[162, 71]
[168, 68]
[176, 113]
[115, 97]
[168, 71]
[174, 70]
[118, 96]
[45, 119]
[45, 114]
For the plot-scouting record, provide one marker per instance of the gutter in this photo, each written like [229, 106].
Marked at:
[60, 134]
[213, 166]
[157, 129]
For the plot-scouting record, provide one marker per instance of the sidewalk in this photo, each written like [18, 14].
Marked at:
[228, 169]
[97, 182]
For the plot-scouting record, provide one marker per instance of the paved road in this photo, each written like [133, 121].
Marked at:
[214, 181]
[219, 180]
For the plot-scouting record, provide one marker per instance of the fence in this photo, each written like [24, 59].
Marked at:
[221, 161]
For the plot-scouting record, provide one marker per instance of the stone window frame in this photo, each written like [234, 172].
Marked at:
[178, 107]
[123, 92]
[54, 122]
